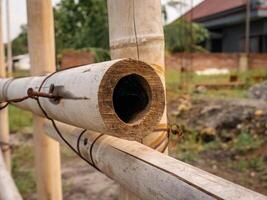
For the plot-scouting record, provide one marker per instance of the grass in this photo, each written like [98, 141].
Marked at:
[19, 119]
[264, 178]
[189, 147]
[174, 83]
[22, 170]
[237, 155]
[255, 164]
[21, 73]
[246, 142]
[172, 79]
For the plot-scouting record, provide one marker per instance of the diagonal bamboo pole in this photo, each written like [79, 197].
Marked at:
[42, 56]
[4, 128]
[147, 173]
[8, 189]
[136, 31]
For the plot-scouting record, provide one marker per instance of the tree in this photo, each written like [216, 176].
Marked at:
[80, 24]
[19, 44]
[177, 5]
[183, 36]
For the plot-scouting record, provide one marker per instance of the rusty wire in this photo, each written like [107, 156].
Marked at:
[7, 102]
[54, 123]
[31, 94]
[138, 58]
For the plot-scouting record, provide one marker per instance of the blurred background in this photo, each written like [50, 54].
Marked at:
[216, 76]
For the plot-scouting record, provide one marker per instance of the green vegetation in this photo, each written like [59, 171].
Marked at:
[245, 142]
[22, 170]
[19, 119]
[21, 73]
[100, 54]
[237, 154]
[20, 43]
[84, 24]
[264, 178]
[183, 36]
[80, 24]
[173, 79]
[189, 147]
[255, 166]
[190, 80]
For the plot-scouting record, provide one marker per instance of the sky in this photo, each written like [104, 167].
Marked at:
[18, 14]
[181, 8]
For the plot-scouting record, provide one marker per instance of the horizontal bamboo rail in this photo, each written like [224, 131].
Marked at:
[123, 98]
[147, 173]
[8, 189]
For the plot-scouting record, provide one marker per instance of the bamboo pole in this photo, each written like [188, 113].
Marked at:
[119, 97]
[8, 189]
[9, 41]
[147, 173]
[4, 126]
[136, 31]
[42, 58]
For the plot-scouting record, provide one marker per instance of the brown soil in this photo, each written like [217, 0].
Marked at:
[79, 180]
[222, 120]
[83, 182]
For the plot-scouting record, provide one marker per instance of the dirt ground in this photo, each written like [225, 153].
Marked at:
[83, 182]
[79, 180]
[227, 137]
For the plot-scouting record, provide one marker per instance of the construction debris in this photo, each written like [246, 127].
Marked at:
[212, 117]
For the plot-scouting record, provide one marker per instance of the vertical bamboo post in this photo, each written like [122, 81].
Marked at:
[4, 126]
[9, 41]
[42, 58]
[136, 31]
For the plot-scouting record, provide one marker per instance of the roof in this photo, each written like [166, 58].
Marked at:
[19, 57]
[211, 7]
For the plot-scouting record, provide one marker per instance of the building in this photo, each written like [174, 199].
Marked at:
[226, 22]
[176, 8]
[21, 62]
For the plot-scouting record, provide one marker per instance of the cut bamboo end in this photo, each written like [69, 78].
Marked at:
[131, 99]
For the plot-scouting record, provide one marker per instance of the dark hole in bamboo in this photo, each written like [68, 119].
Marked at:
[131, 98]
